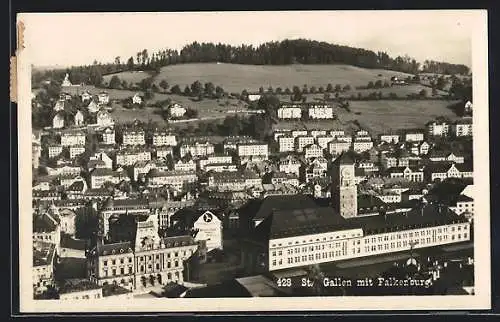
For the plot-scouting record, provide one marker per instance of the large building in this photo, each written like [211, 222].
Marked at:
[292, 234]
[142, 261]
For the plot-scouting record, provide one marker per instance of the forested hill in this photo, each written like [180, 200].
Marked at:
[284, 52]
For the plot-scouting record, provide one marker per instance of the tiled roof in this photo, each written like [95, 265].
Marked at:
[43, 222]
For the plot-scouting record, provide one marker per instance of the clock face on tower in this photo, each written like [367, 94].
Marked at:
[345, 173]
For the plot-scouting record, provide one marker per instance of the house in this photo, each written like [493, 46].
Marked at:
[142, 168]
[59, 106]
[465, 169]
[197, 149]
[71, 138]
[65, 96]
[163, 151]
[362, 144]
[93, 107]
[77, 189]
[408, 173]
[58, 121]
[99, 176]
[108, 136]
[67, 221]
[440, 171]
[104, 158]
[176, 179]
[280, 132]
[103, 98]
[78, 119]
[444, 156]
[54, 150]
[462, 127]
[337, 147]
[423, 148]
[317, 168]
[253, 149]
[289, 112]
[44, 260]
[205, 224]
[221, 167]
[230, 143]
[286, 143]
[291, 179]
[313, 151]
[253, 97]
[214, 159]
[462, 204]
[47, 228]
[76, 150]
[436, 128]
[323, 140]
[234, 181]
[86, 96]
[320, 112]
[337, 132]
[302, 141]
[344, 138]
[161, 138]
[185, 165]
[394, 159]
[125, 157]
[104, 119]
[137, 99]
[316, 133]
[389, 138]
[134, 137]
[296, 133]
[414, 136]
[289, 164]
[468, 107]
[176, 110]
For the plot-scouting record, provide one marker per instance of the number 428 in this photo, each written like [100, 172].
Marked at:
[284, 282]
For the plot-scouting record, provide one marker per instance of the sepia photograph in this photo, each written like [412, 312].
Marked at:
[308, 160]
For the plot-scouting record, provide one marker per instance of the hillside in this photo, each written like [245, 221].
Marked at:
[236, 77]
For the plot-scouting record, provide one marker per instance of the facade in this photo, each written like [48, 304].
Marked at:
[438, 128]
[197, 149]
[286, 143]
[104, 119]
[86, 96]
[47, 228]
[289, 113]
[414, 136]
[214, 159]
[408, 173]
[313, 151]
[161, 138]
[252, 149]
[322, 113]
[54, 150]
[234, 181]
[108, 136]
[163, 151]
[389, 138]
[134, 137]
[78, 118]
[44, 258]
[302, 141]
[462, 128]
[344, 190]
[131, 156]
[176, 110]
[76, 150]
[289, 164]
[58, 121]
[103, 98]
[189, 165]
[323, 140]
[362, 144]
[208, 227]
[337, 147]
[176, 179]
[71, 138]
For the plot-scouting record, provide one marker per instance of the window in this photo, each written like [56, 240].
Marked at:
[122, 271]
[280, 252]
[130, 269]
[168, 264]
[105, 263]
[176, 263]
[113, 273]
[121, 260]
[130, 259]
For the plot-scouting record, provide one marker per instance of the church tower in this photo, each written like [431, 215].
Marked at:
[344, 191]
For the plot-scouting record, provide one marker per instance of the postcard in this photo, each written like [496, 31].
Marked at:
[253, 161]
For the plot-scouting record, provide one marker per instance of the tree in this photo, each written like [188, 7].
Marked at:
[191, 113]
[114, 82]
[321, 89]
[378, 84]
[338, 88]
[329, 88]
[219, 92]
[117, 61]
[313, 90]
[164, 85]
[422, 93]
[176, 89]
[346, 88]
[261, 90]
[196, 88]
[209, 89]
[288, 91]
[279, 91]
[187, 91]
[304, 89]
[130, 63]
[370, 85]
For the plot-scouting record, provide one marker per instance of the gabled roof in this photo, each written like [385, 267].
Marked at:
[44, 222]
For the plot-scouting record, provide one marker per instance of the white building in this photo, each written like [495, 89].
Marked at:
[313, 151]
[131, 156]
[79, 120]
[58, 121]
[104, 119]
[76, 150]
[414, 136]
[253, 149]
[136, 99]
[163, 151]
[323, 140]
[197, 149]
[336, 147]
[209, 228]
[389, 138]
[103, 98]
[71, 138]
[362, 144]
[161, 138]
[134, 137]
[438, 128]
[302, 141]
[287, 113]
[108, 136]
[54, 150]
[188, 165]
[175, 179]
[86, 96]
[286, 143]
[214, 159]
[321, 113]
[289, 164]
[176, 110]
[462, 128]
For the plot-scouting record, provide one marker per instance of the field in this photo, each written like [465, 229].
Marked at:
[113, 93]
[130, 77]
[380, 116]
[235, 77]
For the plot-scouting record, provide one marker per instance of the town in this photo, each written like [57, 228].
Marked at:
[138, 208]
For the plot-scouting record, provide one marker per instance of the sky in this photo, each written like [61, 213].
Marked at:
[80, 38]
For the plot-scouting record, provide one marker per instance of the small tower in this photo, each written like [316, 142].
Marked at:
[344, 191]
